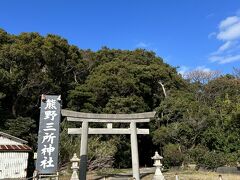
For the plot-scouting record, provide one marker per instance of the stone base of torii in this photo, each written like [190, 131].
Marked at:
[85, 118]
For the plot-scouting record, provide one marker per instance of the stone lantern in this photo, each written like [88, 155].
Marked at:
[75, 161]
[157, 163]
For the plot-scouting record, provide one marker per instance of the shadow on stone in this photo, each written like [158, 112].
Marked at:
[83, 167]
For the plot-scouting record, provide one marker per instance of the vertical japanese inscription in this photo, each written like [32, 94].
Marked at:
[48, 135]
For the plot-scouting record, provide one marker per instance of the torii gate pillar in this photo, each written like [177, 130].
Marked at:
[134, 151]
[83, 151]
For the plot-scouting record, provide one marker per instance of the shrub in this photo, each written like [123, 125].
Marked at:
[172, 155]
[232, 158]
[197, 153]
[211, 160]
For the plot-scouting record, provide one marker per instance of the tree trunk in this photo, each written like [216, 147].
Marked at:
[14, 110]
[14, 107]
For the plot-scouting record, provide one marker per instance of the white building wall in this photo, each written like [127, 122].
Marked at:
[7, 141]
[13, 164]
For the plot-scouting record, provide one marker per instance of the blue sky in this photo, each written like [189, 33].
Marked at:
[191, 34]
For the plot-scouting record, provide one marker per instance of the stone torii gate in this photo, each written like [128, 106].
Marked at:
[85, 118]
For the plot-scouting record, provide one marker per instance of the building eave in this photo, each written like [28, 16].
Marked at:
[13, 138]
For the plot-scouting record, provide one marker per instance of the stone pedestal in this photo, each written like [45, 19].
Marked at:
[158, 175]
[74, 176]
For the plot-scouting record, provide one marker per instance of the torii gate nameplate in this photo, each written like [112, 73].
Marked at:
[85, 118]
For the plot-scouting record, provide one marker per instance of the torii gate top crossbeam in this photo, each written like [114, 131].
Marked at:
[92, 117]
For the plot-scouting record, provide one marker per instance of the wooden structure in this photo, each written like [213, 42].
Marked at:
[13, 157]
[85, 118]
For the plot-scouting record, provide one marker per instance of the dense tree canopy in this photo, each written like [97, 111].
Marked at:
[197, 115]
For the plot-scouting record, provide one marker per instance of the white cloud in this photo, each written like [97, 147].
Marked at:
[142, 45]
[215, 58]
[183, 70]
[232, 32]
[148, 46]
[225, 59]
[203, 68]
[229, 34]
[229, 21]
[212, 34]
[225, 46]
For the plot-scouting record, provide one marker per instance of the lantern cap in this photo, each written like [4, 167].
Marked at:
[157, 156]
[75, 158]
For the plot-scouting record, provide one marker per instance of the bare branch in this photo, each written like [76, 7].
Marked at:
[236, 72]
[163, 88]
[202, 76]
